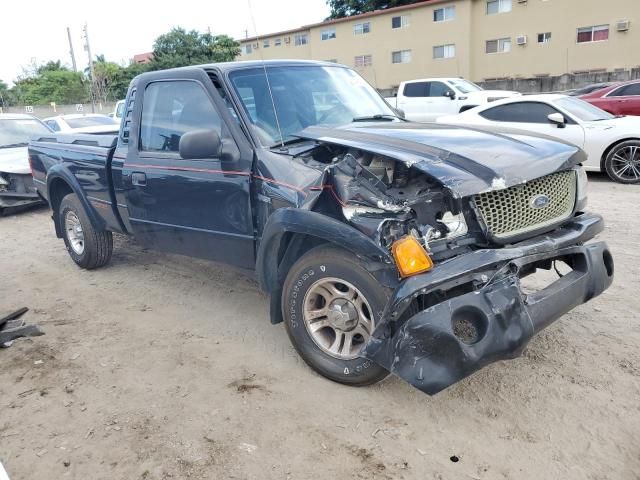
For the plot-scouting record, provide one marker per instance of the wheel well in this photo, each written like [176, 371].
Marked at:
[58, 189]
[292, 247]
[603, 159]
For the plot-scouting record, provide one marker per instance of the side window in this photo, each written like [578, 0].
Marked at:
[633, 89]
[438, 89]
[53, 125]
[171, 109]
[521, 112]
[416, 89]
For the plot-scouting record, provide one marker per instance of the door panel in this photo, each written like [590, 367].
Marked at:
[196, 207]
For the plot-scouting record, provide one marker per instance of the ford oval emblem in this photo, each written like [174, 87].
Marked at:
[540, 201]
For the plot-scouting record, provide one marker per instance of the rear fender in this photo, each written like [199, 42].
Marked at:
[58, 175]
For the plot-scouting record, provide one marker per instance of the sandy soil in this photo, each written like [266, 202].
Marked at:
[166, 367]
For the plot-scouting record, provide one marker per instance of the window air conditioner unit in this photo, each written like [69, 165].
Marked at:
[287, 39]
[622, 25]
[521, 40]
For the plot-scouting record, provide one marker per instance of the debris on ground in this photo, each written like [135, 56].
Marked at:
[12, 327]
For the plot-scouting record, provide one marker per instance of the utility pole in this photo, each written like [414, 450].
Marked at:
[87, 47]
[73, 56]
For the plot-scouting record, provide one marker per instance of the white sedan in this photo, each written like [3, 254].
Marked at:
[612, 143]
[81, 123]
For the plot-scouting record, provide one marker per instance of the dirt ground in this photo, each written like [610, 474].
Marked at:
[166, 367]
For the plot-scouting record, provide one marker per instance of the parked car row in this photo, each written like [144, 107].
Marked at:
[612, 143]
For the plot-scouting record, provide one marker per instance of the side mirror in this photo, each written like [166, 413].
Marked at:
[200, 144]
[451, 94]
[557, 119]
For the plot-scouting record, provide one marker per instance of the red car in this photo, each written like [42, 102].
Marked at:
[619, 99]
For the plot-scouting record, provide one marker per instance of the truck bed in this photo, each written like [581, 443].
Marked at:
[81, 161]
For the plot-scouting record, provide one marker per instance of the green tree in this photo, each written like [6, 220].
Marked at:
[51, 82]
[5, 95]
[105, 79]
[347, 8]
[179, 48]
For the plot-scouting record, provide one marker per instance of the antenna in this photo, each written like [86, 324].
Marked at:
[266, 75]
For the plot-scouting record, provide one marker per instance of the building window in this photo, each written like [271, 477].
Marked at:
[598, 33]
[444, 14]
[328, 34]
[363, 61]
[247, 49]
[400, 21]
[277, 42]
[444, 51]
[502, 45]
[498, 6]
[300, 39]
[361, 28]
[544, 37]
[265, 44]
[401, 56]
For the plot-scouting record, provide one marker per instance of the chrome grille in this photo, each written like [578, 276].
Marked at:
[516, 210]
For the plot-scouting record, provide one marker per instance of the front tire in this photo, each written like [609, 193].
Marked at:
[623, 162]
[88, 247]
[331, 304]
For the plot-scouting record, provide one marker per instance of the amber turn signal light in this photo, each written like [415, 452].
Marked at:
[411, 258]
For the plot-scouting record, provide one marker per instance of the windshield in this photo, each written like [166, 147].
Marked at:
[582, 110]
[305, 96]
[465, 86]
[18, 132]
[81, 122]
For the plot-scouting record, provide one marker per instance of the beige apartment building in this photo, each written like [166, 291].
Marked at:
[477, 39]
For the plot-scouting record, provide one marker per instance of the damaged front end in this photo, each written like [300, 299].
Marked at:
[482, 232]
[17, 192]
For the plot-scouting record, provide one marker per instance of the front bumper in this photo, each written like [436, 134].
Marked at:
[494, 319]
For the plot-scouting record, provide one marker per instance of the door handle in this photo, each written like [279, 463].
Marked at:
[138, 179]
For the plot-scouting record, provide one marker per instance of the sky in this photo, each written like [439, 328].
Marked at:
[120, 29]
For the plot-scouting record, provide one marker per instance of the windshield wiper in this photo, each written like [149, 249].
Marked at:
[15, 145]
[373, 118]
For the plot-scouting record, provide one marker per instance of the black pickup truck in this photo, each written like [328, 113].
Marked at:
[385, 246]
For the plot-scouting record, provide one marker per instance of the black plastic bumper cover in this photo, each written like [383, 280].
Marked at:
[425, 351]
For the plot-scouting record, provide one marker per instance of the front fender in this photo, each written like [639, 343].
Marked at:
[59, 172]
[305, 222]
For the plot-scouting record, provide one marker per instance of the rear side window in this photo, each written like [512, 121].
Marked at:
[425, 89]
[416, 89]
[53, 125]
[520, 112]
[171, 109]
[633, 89]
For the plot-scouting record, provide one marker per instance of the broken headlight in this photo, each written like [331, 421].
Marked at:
[456, 224]
[581, 195]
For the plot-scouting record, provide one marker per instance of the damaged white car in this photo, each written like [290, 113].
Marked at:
[16, 184]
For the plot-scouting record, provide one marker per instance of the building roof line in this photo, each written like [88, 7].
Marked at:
[352, 18]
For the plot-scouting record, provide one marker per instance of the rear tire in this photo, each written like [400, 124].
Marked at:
[88, 247]
[623, 162]
[328, 279]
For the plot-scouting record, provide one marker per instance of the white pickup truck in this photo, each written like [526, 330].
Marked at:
[426, 99]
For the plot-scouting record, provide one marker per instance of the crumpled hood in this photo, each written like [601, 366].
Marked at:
[14, 160]
[466, 161]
